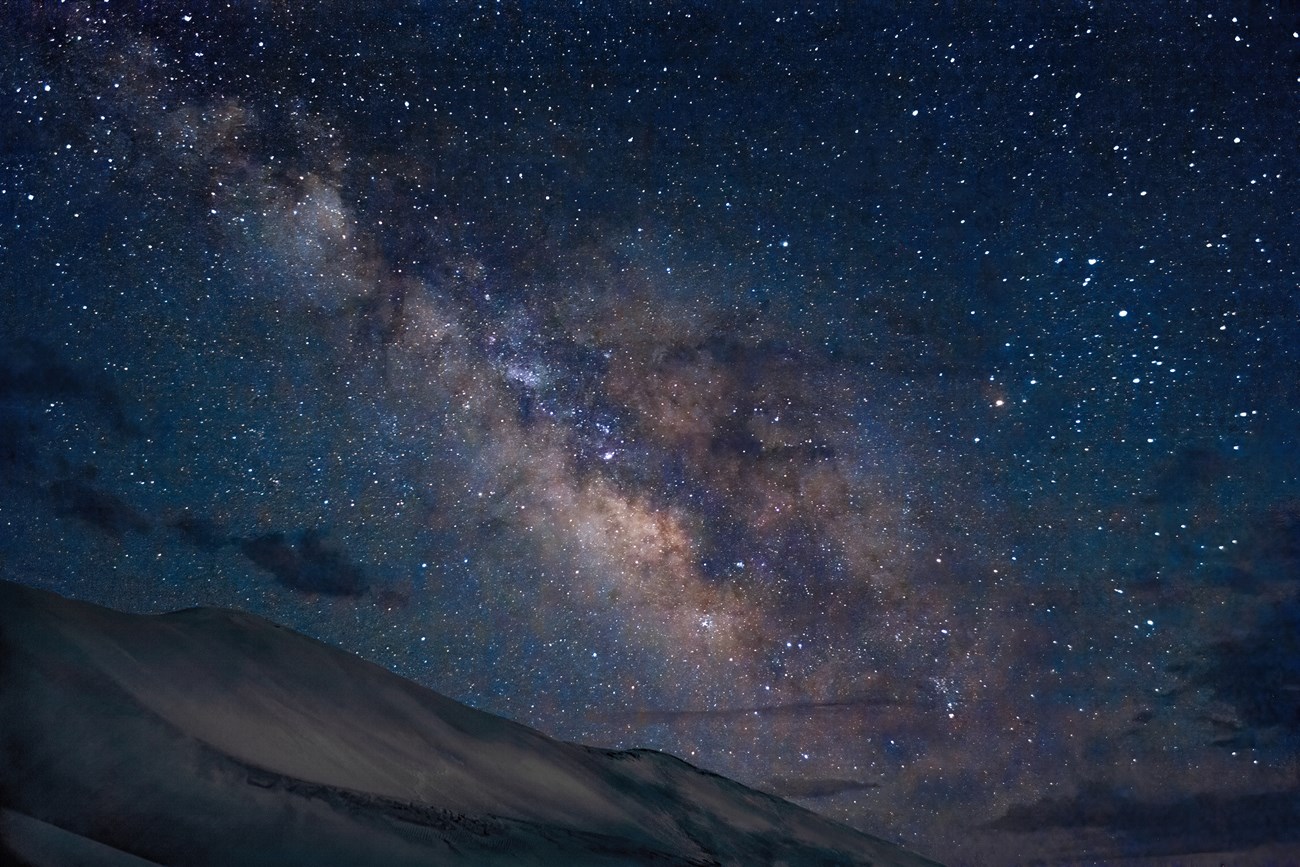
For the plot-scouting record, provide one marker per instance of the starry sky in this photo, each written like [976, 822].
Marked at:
[891, 406]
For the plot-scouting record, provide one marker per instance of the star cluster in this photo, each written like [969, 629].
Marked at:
[888, 408]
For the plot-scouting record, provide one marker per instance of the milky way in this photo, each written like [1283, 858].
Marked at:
[890, 409]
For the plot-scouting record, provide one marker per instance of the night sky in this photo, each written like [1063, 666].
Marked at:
[892, 406]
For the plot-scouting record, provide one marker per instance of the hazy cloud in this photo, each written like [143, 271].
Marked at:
[1199, 823]
[98, 508]
[309, 563]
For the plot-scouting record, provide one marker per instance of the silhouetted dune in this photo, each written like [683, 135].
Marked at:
[209, 736]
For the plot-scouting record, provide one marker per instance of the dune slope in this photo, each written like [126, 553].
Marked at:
[209, 736]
